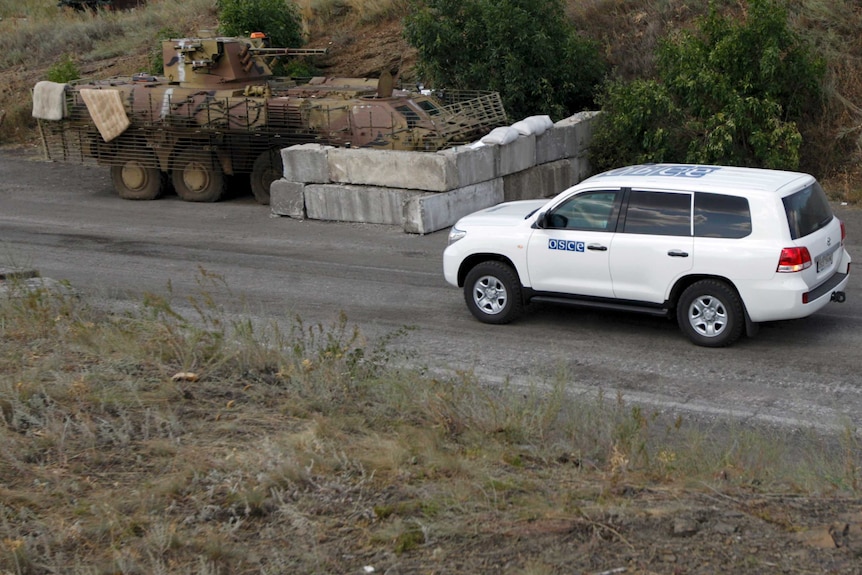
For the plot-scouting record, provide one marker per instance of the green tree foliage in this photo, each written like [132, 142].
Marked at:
[524, 49]
[279, 19]
[730, 93]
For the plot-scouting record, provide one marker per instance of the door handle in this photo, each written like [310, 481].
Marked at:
[677, 254]
[597, 248]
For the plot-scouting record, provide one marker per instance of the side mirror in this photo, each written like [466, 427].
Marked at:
[541, 221]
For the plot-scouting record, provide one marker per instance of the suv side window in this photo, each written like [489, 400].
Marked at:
[658, 213]
[720, 216]
[807, 211]
[593, 211]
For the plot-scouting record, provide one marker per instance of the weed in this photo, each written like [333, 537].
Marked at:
[63, 71]
[412, 537]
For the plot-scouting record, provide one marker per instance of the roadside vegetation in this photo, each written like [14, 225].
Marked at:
[524, 49]
[731, 92]
[173, 438]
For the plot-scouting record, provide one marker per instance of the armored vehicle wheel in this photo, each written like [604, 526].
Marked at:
[197, 176]
[267, 168]
[135, 181]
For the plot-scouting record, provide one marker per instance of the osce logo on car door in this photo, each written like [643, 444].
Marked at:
[565, 245]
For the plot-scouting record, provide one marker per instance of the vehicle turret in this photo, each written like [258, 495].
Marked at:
[223, 62]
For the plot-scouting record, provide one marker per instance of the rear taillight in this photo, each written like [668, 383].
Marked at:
[794, 260]
[843, 232]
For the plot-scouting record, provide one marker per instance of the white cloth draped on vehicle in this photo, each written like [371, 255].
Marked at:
[49, 100]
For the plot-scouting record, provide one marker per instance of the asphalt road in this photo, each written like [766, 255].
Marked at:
[66, 221]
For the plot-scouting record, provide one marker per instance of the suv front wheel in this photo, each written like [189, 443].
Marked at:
[493, 293]
[710, 313]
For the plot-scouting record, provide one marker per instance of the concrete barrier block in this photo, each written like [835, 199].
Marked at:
[577, 130]
[306, 163]
[393, 169]
[428, 213]
[551, 146]
[473, 164]
[580, 168]
[287, 198]
[517, 156]
[347, 203]
[542, 181]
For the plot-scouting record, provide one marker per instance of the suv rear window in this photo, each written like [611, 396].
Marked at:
[807, 211]
[719, 216]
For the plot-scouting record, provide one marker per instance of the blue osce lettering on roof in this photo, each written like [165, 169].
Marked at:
[565, 245]
[666, 170]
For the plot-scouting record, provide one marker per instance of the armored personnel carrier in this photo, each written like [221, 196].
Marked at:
[218, 111]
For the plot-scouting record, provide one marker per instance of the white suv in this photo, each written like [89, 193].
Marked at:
[723, 248]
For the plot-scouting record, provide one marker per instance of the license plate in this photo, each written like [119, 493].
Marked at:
[824, 261]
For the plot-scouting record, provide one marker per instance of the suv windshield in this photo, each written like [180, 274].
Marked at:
[807, 211]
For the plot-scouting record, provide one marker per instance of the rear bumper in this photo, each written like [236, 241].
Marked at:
[766, 303]
[836, 283]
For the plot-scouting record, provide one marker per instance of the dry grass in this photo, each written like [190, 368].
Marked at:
[44, 36]
[163, 442]
[321, 13]
[36, 34]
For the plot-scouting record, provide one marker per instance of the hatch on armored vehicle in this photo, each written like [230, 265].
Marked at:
[81, 5]
[218, 111]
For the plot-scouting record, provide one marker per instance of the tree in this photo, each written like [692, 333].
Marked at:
[731, 93]
[524, 49]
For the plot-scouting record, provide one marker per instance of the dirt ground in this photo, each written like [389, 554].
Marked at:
[647, 531]
[365, 52]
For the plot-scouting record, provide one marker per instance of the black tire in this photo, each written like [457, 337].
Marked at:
[136, 180]
[267, 168]
[710, 313]
[197, 176]
[492, 292]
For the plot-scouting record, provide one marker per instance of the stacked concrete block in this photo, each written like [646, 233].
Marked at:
[541, 181]
[306, 163]
[364, 204]
[392, 169]
[580, 168]
[428, 213]
[552, 146]
[474, 163]
[518, 156]
[577, 131]
[303, 164]
[428, 191]
[287, 198]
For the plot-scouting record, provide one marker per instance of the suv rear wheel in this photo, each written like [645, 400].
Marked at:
[710, 313]
[493, 293]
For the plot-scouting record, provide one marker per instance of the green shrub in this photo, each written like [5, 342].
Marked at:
[730, 93]
[63, 71]
[524, 49]
[157, 64]
[638, 125]
[279, 19]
